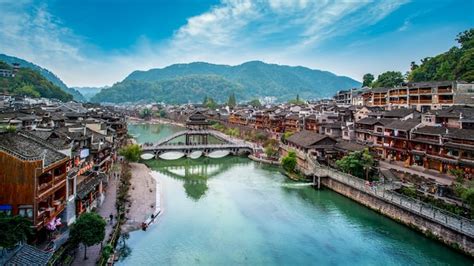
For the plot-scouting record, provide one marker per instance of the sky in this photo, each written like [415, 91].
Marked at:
[100, 42]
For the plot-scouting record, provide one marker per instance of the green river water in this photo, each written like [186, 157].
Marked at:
[233, 211]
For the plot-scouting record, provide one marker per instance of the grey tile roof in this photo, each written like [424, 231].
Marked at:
[429, 130]
[29, 255]
[398, 113]
[458, 133]
[403, 125]
[28, 147]
[373, 121]
[306, 138]
[349, 146]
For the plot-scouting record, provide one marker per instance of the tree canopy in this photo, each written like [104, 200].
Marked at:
[14, 229]
[131, 152]
[357, 163]
[89, 229]
[367, 80]
[232, 102]
[388, 79]
[209, 102]
[289, 162]
[255, 103]
[455, 64]
[30, 83]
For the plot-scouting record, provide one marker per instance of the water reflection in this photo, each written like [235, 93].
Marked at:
[195, 173]
[122, 248]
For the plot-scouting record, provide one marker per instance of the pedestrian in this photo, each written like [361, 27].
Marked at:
[111, 216]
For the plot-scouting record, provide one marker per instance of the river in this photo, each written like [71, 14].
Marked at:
[234, 211]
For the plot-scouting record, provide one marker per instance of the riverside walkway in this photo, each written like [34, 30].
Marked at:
[386, 192]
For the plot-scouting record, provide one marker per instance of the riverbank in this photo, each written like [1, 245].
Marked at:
[144, 196]
[263, 160]
[135, 120]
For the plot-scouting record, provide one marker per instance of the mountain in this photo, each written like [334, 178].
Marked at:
[89, 92]
[45, 73]
[29, 82]
[249, 80]
[191, 88]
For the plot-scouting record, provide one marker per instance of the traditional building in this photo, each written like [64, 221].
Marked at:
[306, 143]
[32, 178]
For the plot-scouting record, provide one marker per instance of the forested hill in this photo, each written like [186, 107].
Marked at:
[29, 82]
[184, 89]
[455, 64]
[248, 81]
[45, 73]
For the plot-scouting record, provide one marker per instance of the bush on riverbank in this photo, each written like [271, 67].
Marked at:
[131, 152]
[289, 162]
[439, 203]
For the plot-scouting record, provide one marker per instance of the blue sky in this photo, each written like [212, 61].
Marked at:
[99, 42]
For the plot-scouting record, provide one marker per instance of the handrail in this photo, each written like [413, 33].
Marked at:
[440, 216]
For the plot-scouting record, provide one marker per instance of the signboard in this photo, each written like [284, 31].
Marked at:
[84, 153]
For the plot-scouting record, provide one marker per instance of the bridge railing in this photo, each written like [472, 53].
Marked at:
[387, 193]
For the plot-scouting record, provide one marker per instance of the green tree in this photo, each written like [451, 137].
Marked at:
[255, 103]
[271, 148]
[289, 162]
[388, 79]
[232, 102]
[162, 113]
[357, 163]
[297, 100]
[286, 135]
[89, 229]
[14, 229]
[145, 113]
[28, 90]
[455, 64]
[210, 103]
[259, 136]
[367, 80]
[131, 152]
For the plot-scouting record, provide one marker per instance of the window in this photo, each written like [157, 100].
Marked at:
[346, 133]
[25, 211]
[6, 209]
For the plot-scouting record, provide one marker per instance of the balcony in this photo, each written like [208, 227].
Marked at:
[449, 101]
[425, 101]
[445, 90]
[425, 91]
[44, 186]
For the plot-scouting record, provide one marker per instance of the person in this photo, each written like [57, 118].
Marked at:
[111, 216]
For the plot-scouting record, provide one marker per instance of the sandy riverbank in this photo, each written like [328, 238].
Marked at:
[144, 193]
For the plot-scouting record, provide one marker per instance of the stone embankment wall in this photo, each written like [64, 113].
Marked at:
[403, 215]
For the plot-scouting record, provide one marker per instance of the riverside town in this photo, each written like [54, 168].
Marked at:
[242, 162]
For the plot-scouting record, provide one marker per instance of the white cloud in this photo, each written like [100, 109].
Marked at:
[231, 32]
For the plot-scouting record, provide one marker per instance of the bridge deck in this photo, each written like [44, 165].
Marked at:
[232, 143]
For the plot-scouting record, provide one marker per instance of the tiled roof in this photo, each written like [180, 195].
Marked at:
[306, 138]
[403, 125]
[458, 133]
[429, 130]
[349, 146]
[398, 113]
[373, 121]
[29, 255]
[28, 147]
